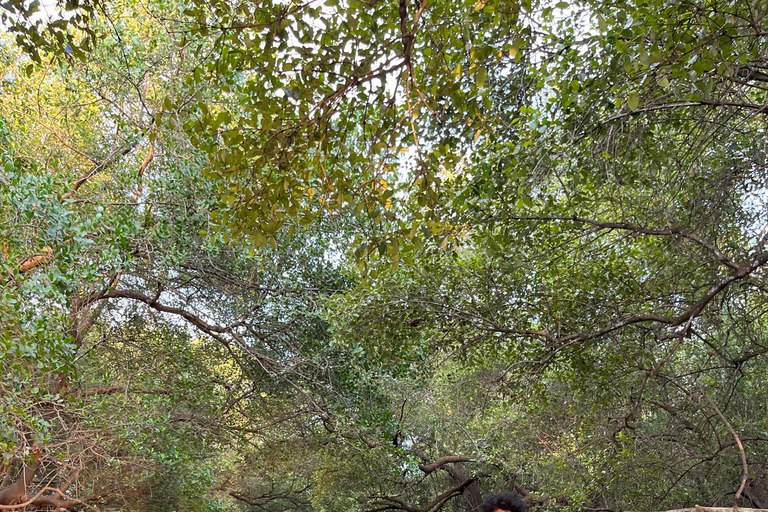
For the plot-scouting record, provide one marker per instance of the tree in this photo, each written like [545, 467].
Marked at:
[576, 193]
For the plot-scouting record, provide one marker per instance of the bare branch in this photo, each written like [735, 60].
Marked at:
[429, 468]
[433, 506]
[745, 474]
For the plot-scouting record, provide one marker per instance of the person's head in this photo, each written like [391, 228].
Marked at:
[505, 502]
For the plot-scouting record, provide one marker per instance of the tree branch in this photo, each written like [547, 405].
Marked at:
[744, 465]
[212, 330]
[755, 107]
[625, 226]
[429, 468]
[433, 506]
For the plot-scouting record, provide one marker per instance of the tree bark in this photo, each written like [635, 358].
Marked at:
[17, 491]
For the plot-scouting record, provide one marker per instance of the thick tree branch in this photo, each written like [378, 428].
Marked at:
[17, 491]
[429, 468]
[36, 261]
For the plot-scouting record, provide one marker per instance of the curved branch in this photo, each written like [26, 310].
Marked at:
[642, 230]
[215, 331]
[685, 318]
[111, 158]
[744, 464]
[433, 506]
[429, 468]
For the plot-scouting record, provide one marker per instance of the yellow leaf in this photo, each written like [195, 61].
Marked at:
[477, 134]
[482, 73]
[479, 5]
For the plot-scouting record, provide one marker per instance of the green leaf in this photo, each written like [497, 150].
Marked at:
[633, 101]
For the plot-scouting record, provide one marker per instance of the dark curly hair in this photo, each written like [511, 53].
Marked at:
[505, 501]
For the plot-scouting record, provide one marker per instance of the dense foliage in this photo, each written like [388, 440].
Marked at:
[383, 255]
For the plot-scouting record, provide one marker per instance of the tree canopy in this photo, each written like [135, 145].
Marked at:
[372, 255]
